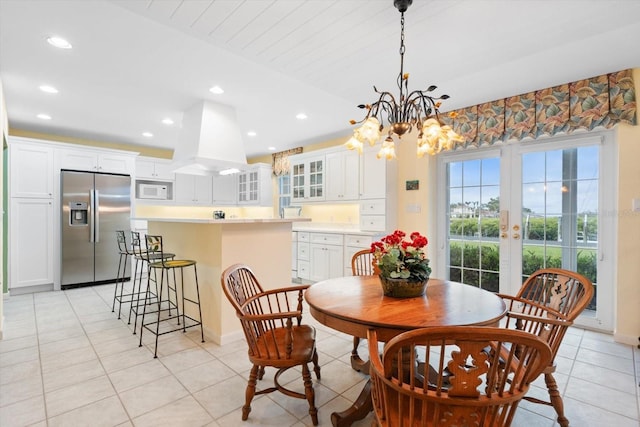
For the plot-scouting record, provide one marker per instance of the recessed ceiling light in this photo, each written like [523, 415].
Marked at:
[271, 148]
[147, 134]
[301, 116]
[59, 42]
[44, 116]
[167, 121]
[217, 90]
[251, 133]
[48, 89]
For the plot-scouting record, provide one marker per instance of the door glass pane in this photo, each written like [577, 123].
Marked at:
[559, 211]
[473, 216]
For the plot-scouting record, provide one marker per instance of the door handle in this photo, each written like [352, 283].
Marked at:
[92, 217]
[96, 216]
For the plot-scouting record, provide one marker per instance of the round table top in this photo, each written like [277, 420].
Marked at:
[355, 304]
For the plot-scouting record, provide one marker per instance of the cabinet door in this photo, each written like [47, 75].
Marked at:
[224, 190]
[307, 179]
[164, 171]
[115, 163]
[248, 187]
[78, 160]
[202, 190]
[184, 189]
[325, 262]
[342, 176]
[319, 263]
[373, 176]
[145, 169]
[31, 242]
[152, 169]
[193, 189]
[31, 171]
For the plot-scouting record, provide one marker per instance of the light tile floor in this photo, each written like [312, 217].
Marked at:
[66, 360]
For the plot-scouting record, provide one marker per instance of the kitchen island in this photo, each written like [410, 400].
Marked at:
[263, 244]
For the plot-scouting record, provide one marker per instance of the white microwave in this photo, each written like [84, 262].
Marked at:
[153, 191]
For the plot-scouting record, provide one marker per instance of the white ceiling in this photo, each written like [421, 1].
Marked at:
[135, 62]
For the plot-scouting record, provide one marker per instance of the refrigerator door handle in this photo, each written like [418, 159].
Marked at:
[91, 216]
[96, 215]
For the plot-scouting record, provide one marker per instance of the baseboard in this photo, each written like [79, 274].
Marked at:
[31, 289]
[626, 339]
[224, 339]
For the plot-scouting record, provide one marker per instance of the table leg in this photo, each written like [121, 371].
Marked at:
[357, 364]
[360, 409]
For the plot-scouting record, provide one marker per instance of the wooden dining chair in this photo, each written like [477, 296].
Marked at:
[468, 376]
[546, 305]
[363, 263]
[272, 324]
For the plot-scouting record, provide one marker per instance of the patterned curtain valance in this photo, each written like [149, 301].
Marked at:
[586, 104]
[281, 161]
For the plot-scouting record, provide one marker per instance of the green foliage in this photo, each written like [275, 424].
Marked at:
[486, 258]
[397, 264]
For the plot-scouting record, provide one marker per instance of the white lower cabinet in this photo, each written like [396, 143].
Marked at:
[322, 256]
[352, 244]
[31, 242]
[325, 256]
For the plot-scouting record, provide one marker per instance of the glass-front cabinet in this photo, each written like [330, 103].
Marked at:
[307, 179]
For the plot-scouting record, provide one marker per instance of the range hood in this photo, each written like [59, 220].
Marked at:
[210, 141]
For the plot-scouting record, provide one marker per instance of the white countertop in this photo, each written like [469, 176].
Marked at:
[225, 221]
[315, 227]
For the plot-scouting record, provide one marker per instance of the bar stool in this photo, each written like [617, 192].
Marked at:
[184, 321]
[142, 257]
[125, 253]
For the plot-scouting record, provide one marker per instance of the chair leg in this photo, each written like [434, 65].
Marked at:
[139, 263]
[309, 394]
[155, 351]
[115, 292]
[261, 373]
[195, 272]
[250, 392]
[316, 366]
[556, 399]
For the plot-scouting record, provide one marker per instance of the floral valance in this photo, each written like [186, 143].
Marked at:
[586, 104]
[280, 161]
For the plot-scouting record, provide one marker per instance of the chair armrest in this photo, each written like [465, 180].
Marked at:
[284, 290]
[532, 306]
[539, 319]
[270, 316]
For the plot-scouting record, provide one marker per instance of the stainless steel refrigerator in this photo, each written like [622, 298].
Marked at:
[94, 206]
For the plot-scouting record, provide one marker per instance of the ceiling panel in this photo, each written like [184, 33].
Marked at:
[136, 61]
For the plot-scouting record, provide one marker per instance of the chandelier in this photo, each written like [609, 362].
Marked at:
[410, 109]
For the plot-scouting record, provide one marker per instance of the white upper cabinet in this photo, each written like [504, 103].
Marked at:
[156, 169]
[373, 175]
[307, 178]
[254, 186]
[224, 190]
[342, 176]
[96, 161]
[193, 189]
[31, 169]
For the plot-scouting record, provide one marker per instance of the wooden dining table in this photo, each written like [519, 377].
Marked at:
[355, 304]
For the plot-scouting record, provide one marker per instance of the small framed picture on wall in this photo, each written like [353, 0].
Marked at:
[412, 185]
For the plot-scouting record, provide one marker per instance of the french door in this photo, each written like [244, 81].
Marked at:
[511, 210]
